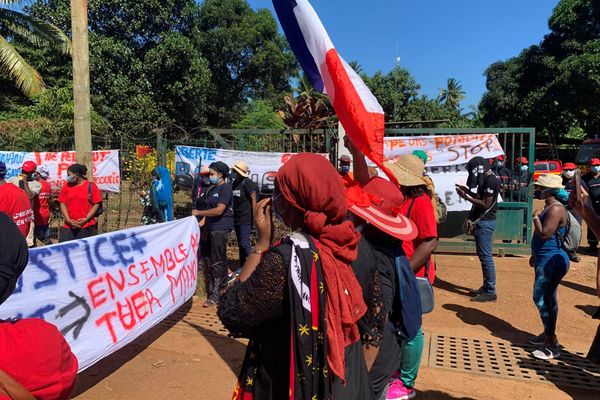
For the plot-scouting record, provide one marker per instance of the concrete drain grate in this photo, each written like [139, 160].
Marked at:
[505, 360]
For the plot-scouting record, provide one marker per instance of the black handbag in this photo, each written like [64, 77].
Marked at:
[425, 288]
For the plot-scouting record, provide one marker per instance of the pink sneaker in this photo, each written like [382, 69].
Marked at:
[397, 391]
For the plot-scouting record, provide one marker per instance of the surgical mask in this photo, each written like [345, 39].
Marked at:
[500, 163]
[345, 169]
[214, 180]
[569, 174]
[596, 169]
[524, 168]
[71, 178]
[537, 194]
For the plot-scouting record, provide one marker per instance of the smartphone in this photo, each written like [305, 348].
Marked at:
[578, 186]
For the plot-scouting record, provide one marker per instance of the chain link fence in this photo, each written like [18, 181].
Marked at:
[139, 156]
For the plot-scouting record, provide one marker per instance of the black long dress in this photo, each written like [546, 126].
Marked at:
[268, 309]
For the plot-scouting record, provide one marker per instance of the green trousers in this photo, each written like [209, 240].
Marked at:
[412, 350]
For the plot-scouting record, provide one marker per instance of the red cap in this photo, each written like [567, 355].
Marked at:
[523, 160]
[500, 158]
[29, 167]
[378, 203]
[345, 159]
[595, 161]
[570, 165]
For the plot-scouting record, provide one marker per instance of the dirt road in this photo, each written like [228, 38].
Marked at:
[190, 357]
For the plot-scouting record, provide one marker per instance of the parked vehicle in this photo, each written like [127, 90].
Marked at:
[589, 149]
[554, 167]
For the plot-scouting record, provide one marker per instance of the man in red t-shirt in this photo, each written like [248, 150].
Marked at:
[15, 203]
[79, 200]
[41, 206]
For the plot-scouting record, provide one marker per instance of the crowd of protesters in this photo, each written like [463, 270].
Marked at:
[333, 309]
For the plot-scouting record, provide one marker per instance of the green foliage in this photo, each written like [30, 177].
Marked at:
[249, 59]
[20, 26]
[554, 86]
[260, 115]
[452, 94]
[394, 91]
[173, 62]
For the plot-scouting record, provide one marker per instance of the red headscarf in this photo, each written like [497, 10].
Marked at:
[312, 185]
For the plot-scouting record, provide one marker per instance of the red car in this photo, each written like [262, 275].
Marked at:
[554, 167]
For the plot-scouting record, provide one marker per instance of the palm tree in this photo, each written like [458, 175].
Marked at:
[16, 25]
[453, 94]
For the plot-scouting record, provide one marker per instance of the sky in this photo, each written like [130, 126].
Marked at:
[435, 39]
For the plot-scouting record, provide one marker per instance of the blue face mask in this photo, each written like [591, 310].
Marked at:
[71, 178]
[214, 180]
[596, 169]
[345, 169]
[524, 168]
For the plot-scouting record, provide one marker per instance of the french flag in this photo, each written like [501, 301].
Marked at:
[356, 107]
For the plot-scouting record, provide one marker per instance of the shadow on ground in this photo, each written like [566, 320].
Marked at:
[107, 366]
[437, 395]
[507, 332]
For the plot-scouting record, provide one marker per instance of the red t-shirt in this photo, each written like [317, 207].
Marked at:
[77, 200]
[422, 214]
[41, 204]
[35, 354]
[15, 203]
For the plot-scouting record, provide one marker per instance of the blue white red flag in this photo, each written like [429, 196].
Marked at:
[357, 109]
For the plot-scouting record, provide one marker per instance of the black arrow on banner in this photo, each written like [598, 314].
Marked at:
[76, 326]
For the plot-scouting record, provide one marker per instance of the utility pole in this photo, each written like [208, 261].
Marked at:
[81, 84]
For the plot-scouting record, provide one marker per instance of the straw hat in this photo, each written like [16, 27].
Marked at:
[549, 181]
[408, 170]
[378, 203]
[241, 168]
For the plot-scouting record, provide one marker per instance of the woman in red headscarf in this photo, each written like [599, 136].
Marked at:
[299, 301]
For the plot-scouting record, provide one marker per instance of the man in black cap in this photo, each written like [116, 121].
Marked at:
[218, 220]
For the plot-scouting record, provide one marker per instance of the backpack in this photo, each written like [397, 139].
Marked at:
[442, 210]
[101, 208]
[570, 242]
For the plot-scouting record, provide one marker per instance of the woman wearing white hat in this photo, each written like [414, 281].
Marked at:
[550, 260]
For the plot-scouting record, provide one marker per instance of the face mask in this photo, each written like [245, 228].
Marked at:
[569, 174]
[596, 169]
[345, 169]
[71, 178]
[524, 168]
[501, 163]
[234, 176]
[214, 180]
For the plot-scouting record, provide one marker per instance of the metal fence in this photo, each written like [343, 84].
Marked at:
[139, 156]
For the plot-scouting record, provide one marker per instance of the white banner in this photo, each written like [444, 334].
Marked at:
[106, 171]
[263, 166]
[445, 150]
[445, 179]
[104, 292]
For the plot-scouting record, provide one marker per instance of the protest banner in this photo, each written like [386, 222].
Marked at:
[445, 150]
[105, 291]
[106, 173]
[263, 166]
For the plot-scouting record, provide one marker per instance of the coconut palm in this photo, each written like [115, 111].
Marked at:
[17, 25]
[453, 94]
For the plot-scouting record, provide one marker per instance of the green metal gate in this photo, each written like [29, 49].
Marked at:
[513, 229]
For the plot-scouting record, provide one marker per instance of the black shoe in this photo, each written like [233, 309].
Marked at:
[477, 292]
[574, 258]
[484, 298]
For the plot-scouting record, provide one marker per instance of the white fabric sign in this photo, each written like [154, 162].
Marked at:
[445, 180]
[106, 171]
[263, 166]
[445, 150]
[105, 291]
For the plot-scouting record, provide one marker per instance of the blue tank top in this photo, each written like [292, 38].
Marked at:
[540, 248]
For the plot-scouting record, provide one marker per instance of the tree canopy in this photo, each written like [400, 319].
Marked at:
[553, 86]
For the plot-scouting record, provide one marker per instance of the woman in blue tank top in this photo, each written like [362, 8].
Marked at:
[550, 260]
